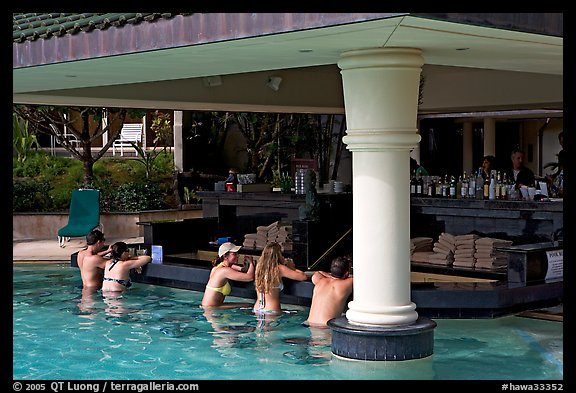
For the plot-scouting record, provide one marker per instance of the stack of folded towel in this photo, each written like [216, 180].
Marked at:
[486, 255]
[470, 251]
[465, 249]
[256, 240]
[275, 232]
[421, 244]
[284, 237]
[443, 250]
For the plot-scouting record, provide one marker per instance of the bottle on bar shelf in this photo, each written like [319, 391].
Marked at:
[492, 186]
[452, 187]
[471, 186]
[504, 187]
[464, 187]
[486, 193]
[438, 193]
[431, 187]
[479, 184]
[445, 187]
[419, 185]
[413, 183]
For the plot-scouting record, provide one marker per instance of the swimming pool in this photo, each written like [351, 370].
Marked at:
[160, 333]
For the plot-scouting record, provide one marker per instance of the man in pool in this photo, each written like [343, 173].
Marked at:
[91, 260]
[331, 293]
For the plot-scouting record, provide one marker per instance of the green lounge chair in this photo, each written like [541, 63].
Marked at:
[84, 215]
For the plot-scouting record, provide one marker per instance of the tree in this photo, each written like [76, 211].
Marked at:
[84, 123]
[314, 135]
[260, 130]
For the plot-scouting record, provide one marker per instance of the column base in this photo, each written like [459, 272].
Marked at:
[414, 341]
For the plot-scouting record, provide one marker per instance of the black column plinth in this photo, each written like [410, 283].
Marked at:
[361, 342]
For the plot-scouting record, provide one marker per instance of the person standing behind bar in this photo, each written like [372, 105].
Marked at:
[556, 180]
[487, 166]
[331, 292]
[270, 270]
[521, 175]
[225, 268]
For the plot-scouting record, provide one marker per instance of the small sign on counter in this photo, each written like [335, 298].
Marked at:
[555, 264]
[157, 254]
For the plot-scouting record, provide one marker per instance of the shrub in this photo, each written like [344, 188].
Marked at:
[131, 197]
[31, 196]
[44, 183]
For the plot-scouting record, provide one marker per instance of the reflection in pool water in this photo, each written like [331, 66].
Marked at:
[159, 333]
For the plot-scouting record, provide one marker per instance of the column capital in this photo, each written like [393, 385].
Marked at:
[381, 90]
[381, 57]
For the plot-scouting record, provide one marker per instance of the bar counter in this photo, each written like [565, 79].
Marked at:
[521, 221]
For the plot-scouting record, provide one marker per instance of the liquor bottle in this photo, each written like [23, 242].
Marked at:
[498, 186]
[439, 187]
[479, 184]
[419, 185]
[464, 188]
[413, 184]
[452, 189]
[486, 192]
[445, 187]
[472, 186]
[459, 187]
[504, 187]
[492, 186]
[431, 188]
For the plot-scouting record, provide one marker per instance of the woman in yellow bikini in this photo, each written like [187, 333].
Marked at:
[270, 270]
[225, 268]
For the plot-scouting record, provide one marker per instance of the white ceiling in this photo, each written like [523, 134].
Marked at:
[443, 44]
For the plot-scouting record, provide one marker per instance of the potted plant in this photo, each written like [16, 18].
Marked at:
[190, 199]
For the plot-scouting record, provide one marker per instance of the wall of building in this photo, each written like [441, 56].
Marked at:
[30, 226]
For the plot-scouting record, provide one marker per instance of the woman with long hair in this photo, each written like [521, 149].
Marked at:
[117, 270]
[270, 269]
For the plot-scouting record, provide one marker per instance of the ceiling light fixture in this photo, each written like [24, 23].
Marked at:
[211, 81]
[274, 82]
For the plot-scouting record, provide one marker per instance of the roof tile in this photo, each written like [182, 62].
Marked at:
[33, 26]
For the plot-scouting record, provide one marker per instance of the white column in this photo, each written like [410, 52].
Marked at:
[381, 101]
[489, 136]
[178, 132]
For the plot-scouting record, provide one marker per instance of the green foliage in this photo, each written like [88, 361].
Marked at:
[162, 127]
[32, 167]
[190, 196]
[84, 123]
[163, 133]
[44, 183]
[146, 158]
[31, 196]
[138, 196]
[164, 163]
[23, 140]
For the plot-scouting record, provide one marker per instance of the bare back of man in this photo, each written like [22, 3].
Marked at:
[92, 270]
[329, 298]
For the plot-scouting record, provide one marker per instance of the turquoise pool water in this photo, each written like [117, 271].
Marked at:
[160, 333]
